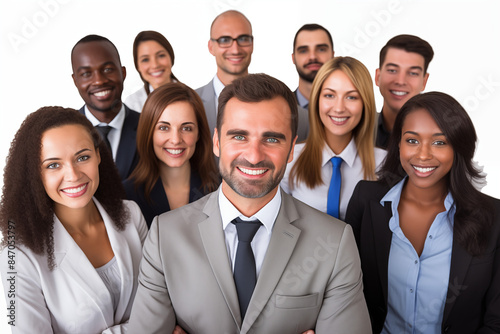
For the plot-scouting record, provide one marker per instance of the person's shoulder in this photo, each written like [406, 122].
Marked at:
[131, 113]
[311, 218]
[191, 213]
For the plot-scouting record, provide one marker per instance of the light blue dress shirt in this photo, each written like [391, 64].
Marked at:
[417, 286]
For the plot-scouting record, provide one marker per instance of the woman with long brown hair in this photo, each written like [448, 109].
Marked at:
[176, 164]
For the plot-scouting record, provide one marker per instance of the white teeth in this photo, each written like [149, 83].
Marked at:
[103, 93]
[157, 74]
[171, 151]
[339, 119]
[74, 190]
[252, 171]
[424, 170]
[398, 93]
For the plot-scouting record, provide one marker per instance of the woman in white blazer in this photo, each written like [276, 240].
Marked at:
[72, 246]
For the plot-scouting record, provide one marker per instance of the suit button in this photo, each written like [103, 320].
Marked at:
[446, 329]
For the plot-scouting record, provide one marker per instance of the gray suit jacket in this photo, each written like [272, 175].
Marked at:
[207, 94]
[310, 277]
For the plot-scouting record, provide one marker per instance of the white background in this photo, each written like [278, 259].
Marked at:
[37, 37]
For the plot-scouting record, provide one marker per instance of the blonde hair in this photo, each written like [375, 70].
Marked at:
[307, 169]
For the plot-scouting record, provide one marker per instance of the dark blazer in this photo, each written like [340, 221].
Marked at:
[159, 201]
[126, 157]
[473, 299]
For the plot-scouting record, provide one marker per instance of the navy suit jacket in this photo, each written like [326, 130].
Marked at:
[473, 299]
[126, 157]
[159, 201]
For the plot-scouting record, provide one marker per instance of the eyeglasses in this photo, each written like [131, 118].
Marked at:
[227, 41]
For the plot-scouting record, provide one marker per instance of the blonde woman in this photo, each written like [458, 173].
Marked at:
[341, 124]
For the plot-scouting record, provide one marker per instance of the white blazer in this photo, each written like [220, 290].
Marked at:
[72, 298]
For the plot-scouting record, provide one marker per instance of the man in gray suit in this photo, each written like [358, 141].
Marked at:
[302, 268]
[231, 43]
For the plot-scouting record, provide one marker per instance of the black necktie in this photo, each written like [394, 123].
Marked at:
[104, 130]
[245, 274]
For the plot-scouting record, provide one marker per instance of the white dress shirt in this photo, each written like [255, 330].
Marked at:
[351, 171]
[218, 87]
[267, 216]
[116, 127]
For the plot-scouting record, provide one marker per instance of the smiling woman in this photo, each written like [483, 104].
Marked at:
[176, 165]
[427, 227]
[74, 241]
[153, 59]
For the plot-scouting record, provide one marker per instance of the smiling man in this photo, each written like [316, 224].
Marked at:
[231, 43]
[248, 258]
[312, 47]
[402, 74]
[98, 75]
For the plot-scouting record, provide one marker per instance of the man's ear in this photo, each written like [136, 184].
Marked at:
[426, 76]
[293, 58]
[216, 144]
[210, 47]
[377, 76]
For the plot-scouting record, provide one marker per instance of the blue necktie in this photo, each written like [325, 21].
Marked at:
[332, 206]
[245, 273]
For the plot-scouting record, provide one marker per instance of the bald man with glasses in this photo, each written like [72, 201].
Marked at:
[231, 43]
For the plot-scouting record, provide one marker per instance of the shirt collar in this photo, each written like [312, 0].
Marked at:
[218, 86]
[394, 195]
[348, 155]
[116, 123]
[267, 215]
[301, 99]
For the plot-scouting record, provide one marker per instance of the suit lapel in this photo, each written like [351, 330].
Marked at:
[214, 243]
[283, 240]
[382, 237]
[70, 259]
[208, 97]
[460, 261]
[127, 148]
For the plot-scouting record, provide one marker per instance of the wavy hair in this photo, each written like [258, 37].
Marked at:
[307, 169]
[25, 203]
[150, 35]
[473, 214]
[147, 170]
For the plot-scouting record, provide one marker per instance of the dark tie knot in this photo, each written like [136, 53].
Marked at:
[246, 229]
[103, 129]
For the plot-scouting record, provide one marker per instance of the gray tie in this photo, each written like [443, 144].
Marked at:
[104, 130]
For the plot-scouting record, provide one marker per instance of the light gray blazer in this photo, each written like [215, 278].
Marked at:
[310, 277]
[72, 298]
[207, 94]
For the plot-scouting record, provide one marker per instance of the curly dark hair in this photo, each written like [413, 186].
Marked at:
[25, 203]
[473, 216]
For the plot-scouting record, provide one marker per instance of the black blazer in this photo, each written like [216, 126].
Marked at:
[473, 299]
[159, 201]
[126, 157]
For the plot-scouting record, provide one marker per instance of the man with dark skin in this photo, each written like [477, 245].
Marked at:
[98, 75]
